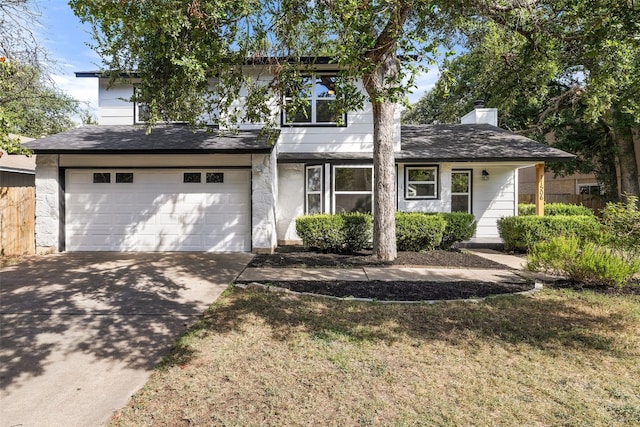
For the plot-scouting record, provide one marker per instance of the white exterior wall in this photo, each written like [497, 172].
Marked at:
[264, 196]
[47, 228]
[290, 200]
[113, 107]
[481, 115]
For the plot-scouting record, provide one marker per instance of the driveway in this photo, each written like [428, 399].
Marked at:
[81, 332]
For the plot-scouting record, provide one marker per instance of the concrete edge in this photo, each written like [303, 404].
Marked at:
[537, 287]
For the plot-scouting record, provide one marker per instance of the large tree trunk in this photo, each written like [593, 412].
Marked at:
[627, 163]
[384, 168]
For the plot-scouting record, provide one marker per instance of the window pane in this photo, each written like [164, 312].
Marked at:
[460, 182]
[124, 177]
[192, 177]
[314, 203]
[353, 203]
[422, 174]
[215, 177]
[325, 86]
[459, 203]
[301, 115]
[314, 179]
[101, 177]
[353, 179]
[324, 113]
[421, 190]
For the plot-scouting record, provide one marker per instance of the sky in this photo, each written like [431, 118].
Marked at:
[66, 39]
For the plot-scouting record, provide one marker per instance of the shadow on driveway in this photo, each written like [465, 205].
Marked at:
[80, 332]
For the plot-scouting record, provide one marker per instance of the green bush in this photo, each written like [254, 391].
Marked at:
[554, 209]
[520, 233]
[348, 232]
[416, 231]
[621, 225]
[460, 226]
[585, 262]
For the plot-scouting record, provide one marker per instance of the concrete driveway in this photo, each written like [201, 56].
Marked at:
[81, 332]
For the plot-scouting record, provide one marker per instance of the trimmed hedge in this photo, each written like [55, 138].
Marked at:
[520, 233]
[347, 232]
[554, 209]
[460, 226]
[417, 232]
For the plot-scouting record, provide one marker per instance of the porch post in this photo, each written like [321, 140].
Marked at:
[540, 189]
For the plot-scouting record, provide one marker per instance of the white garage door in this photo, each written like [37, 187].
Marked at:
[158, 210]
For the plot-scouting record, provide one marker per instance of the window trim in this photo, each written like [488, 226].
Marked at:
[335, 192]
[469, 193]
[307, 193]
[588, 184]
[436, 183]
[313, 103]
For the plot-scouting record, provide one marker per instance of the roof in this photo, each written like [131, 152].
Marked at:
[452, 143]
[17, 162]
[167, 139]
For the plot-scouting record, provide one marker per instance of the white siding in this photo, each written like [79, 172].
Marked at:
[291, 191]
[113, 105]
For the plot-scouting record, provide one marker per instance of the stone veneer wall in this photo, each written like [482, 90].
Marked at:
[264, 186]
[47, 203]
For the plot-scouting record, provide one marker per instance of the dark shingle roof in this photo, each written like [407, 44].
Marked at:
[162, 139]
[451, 143]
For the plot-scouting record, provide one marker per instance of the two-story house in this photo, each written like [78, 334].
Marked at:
[113, 187]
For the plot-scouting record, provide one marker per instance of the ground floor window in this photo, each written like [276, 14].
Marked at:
[314, 179]
[421, 182]
[461, 191]
[589, 189]
[353, 189]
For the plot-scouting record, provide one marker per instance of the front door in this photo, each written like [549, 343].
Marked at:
[461, 191]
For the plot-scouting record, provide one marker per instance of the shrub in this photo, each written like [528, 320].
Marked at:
[460, 226]
[585, 262]
[348, 232]
[416, 231]
[520, 233]
[621, 225]
[554, 209]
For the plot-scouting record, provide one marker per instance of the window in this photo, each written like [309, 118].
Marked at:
[192, 177]
[353, 189]
[124, 177]
[313, 190]
[101, 177]
[214, 177]
[320, 92]
[421, 182]
[589, 189]
[461, 191]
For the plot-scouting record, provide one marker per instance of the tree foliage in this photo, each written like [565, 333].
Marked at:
[568, 73]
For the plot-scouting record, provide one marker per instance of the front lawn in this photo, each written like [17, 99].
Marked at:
[559, 357]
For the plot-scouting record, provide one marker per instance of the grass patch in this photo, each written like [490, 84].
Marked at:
[559, 357]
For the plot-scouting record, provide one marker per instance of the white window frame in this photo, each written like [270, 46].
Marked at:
[334, 192]
[313, 100]
[469, 173]
[310, 192]
[435, 182]
[589, 185]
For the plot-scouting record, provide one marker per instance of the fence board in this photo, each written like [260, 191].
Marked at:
[17, 221]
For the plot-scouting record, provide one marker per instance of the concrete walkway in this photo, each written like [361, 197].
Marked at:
[511, 274]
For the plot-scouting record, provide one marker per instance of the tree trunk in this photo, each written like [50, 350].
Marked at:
[384, 167]
[627, 162]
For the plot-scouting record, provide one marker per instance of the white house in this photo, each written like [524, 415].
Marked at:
[112, 187]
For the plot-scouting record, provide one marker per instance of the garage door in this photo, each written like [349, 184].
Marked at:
[158, 210]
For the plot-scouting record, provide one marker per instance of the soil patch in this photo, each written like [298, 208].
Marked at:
[403, 290]
[298, 257]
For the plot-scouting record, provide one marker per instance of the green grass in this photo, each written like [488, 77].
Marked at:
[558, 357]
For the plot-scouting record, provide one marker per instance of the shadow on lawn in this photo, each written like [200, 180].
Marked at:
[548, 323]
[109, 306]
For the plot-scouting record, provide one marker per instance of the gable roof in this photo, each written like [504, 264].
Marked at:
[452, 143]
[165, 139]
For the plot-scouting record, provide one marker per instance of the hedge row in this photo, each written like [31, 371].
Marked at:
[415, 231]
[554, 209]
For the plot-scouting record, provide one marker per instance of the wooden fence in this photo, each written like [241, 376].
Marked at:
[591, 202]
[17, 221]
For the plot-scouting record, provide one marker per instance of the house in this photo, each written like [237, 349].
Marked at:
[112, 187]
[17, 170]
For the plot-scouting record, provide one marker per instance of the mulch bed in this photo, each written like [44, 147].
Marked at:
[403, 291]
[298, 257]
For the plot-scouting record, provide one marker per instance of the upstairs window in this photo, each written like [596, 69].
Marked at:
[319, 90]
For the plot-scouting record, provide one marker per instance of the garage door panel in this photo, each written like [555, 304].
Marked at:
[158, 212]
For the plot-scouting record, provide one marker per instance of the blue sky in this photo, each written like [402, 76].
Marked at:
[66, 40]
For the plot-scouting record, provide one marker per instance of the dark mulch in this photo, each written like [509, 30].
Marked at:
[298, 257]
[632, 288]
[404, 291]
